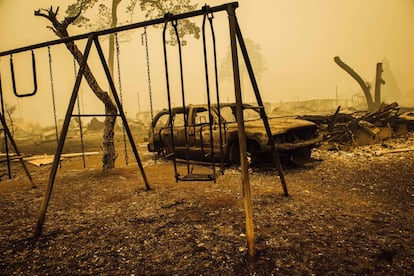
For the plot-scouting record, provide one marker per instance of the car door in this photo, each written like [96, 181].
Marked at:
[179, 131]
[201, 130]
[159, 132]
[172, 141]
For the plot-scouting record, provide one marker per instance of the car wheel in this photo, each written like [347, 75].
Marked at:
[299, 157]
[164, 151]
[252, 154]
[234, 154]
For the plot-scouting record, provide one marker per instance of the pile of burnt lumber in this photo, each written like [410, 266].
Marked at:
[362, 127]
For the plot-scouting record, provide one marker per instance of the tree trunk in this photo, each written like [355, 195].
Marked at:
[378, 82]
[108, 146]
[361, 82]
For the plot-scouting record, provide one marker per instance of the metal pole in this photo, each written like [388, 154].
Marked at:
[171, 116]
[174, 24]
[6, 145]
[262, 111]
[210, 122]
[241, 135]
[62, 137]
[118, 29]
[213, 36]
[121, 111]
[13, 143]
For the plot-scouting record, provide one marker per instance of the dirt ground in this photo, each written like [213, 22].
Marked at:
[347, 213]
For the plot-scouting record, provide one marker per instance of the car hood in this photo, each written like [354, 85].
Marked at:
[277, 125]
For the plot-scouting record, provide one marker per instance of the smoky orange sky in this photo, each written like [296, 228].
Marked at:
[298, 40]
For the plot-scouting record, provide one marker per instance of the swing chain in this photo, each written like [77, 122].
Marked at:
[52, 89]
[118, 66]
[79, 118]
[120, 90]
[144, 41]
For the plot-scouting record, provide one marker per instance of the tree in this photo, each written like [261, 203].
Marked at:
[9, 119]
[372, 105]
[10, 110]
[153, 8]
[255, 53]
[107, 11]
[156, 8]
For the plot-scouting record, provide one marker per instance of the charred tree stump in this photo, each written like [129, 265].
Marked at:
[378, 82]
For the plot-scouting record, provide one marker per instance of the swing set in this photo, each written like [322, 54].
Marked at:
[8, 137]
[93, 39]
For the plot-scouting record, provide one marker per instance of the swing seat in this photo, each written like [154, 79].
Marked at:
[198, 177]
[169, 155]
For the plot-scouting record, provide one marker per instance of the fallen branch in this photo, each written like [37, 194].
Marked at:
[382, 152]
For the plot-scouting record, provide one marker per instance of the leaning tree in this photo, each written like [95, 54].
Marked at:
[365, 86]
[60, 28]
[256, 55]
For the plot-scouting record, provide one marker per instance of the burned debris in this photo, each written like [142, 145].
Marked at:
[344, 130]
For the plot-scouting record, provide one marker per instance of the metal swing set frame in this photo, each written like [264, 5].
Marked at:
[93, 39]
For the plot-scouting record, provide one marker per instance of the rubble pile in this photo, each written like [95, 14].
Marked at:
[345, 131]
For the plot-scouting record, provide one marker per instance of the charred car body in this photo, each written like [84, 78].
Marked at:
[192, 133]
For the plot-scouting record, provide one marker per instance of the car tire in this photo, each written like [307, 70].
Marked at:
[300, 157]
[164, 151]
[252, 154]
[234, 154]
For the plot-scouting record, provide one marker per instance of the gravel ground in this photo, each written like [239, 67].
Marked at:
[347, 213]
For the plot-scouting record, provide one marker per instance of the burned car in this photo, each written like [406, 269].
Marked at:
[197, 134]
